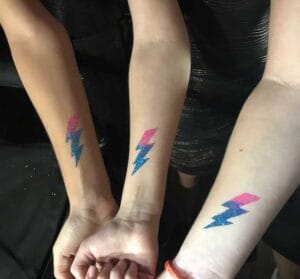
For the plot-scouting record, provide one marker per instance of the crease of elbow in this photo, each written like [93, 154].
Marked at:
[290, 83]
[161, 41]
[165, 48]
[41, 32]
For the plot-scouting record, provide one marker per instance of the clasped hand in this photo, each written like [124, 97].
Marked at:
[119, 249]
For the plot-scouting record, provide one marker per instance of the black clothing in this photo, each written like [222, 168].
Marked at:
[229, 46]
[228, 55]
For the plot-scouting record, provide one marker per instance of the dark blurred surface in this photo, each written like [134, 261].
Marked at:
[32, 207]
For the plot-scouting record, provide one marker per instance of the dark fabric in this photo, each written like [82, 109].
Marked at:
[19, 122]
[8, 73]
[228, 60]
[229, 45]
[101, 35]
[99, 30]
[32, 205]
[284, 233]
[226, 66]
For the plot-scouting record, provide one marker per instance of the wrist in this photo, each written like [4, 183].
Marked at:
[196, 267]
[140, 215]
[142, 200]
[93, 204]
[88, 188]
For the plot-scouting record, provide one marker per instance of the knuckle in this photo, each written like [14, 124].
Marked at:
[114, 272]
[55, 250]
[57, 274]
[74, 271]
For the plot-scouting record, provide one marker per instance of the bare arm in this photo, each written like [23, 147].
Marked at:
[44, 58]
[45, 61]
[260, 170]
[158, 78]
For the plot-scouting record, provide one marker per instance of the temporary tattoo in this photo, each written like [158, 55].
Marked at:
[234, 209]
[144, 148]
[73, 135]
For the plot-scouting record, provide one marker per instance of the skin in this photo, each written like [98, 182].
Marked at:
[45, 61]
[269, 147]
[264, 142]
[157, 84]
[135, 225]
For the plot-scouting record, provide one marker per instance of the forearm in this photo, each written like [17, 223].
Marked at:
[262, 159]
[158, 84]
[46, 64]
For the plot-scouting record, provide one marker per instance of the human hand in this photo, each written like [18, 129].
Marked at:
[119, 246]
[81, 223]
[121, 269]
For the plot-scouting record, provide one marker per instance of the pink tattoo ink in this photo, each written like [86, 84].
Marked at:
[73, 135]
[245, 198]
[234, 209]
[144, 148]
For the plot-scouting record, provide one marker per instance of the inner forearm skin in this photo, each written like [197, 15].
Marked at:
[261, 163]
[44, 57]
[158, 84]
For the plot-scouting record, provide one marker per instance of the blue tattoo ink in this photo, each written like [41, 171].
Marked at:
[144, 148]
[234, 210]
[73, 135]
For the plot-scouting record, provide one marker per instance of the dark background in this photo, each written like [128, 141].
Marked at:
[33, 201]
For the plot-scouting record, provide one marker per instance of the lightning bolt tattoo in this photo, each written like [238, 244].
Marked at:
[144, 147]
[234, 209]
[73, 135]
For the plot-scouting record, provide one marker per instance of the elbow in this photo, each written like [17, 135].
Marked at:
[178, 42]
[273, 99]
[173, 56]
[169, 60]
[171, 40]
[286, 75]
[175, 51]
[291, 83]
[42, 32]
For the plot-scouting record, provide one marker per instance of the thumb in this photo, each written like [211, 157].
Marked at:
[82, 261]
[62, 267]
[61, 263]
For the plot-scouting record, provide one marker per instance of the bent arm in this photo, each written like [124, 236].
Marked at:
[158, 78]
[260, 170]
[44, 58]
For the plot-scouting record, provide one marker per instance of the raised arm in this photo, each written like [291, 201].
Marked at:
[44, 58]
[260, 170]
[158, 79]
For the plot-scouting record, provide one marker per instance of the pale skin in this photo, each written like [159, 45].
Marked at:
[145, 219]
[262, 157]
[157, 84]
[269, 147]
[45, 61]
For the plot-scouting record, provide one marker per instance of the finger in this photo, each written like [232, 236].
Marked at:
[62, 266]
[104, 274]
[132, 271]
[92, 272]
[143, 275]
[99, 266]
[82, 261]
[119, 270]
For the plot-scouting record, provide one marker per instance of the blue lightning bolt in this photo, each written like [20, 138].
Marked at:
[140, 159]
[76, 148]
[234, 210]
